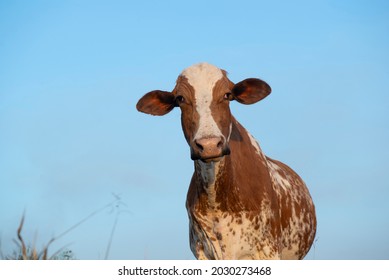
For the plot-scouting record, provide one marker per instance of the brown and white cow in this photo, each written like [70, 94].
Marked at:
[241, 204]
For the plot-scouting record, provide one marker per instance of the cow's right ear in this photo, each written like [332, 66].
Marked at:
[157, 103]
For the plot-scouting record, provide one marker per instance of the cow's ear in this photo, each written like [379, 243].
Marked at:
[250, 91]
[157, 103]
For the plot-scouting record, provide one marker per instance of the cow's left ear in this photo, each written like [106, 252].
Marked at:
[250, 91]
[157, 103]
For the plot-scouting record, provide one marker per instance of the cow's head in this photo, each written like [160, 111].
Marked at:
[203, 93]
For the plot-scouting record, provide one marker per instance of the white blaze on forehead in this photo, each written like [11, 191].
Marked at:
[203, 77]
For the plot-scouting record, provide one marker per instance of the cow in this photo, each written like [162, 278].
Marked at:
[241, 204]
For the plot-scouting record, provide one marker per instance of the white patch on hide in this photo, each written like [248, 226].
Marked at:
[203, 77]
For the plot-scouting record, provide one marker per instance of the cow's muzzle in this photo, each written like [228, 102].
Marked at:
[209, 149]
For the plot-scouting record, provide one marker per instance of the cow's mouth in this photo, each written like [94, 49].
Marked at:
[213, 159]
[210, 158]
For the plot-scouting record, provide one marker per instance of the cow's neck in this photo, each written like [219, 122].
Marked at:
[208, 174]
[228, 184]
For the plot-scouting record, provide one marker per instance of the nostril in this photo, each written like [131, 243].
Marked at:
[220, 144]
[199, 146]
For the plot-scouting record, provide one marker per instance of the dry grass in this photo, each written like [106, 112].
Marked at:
[25, 252]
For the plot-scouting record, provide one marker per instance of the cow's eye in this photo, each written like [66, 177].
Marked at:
[228, 96]
[180, 99]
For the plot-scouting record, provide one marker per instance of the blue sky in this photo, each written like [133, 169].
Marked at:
[71, 73]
